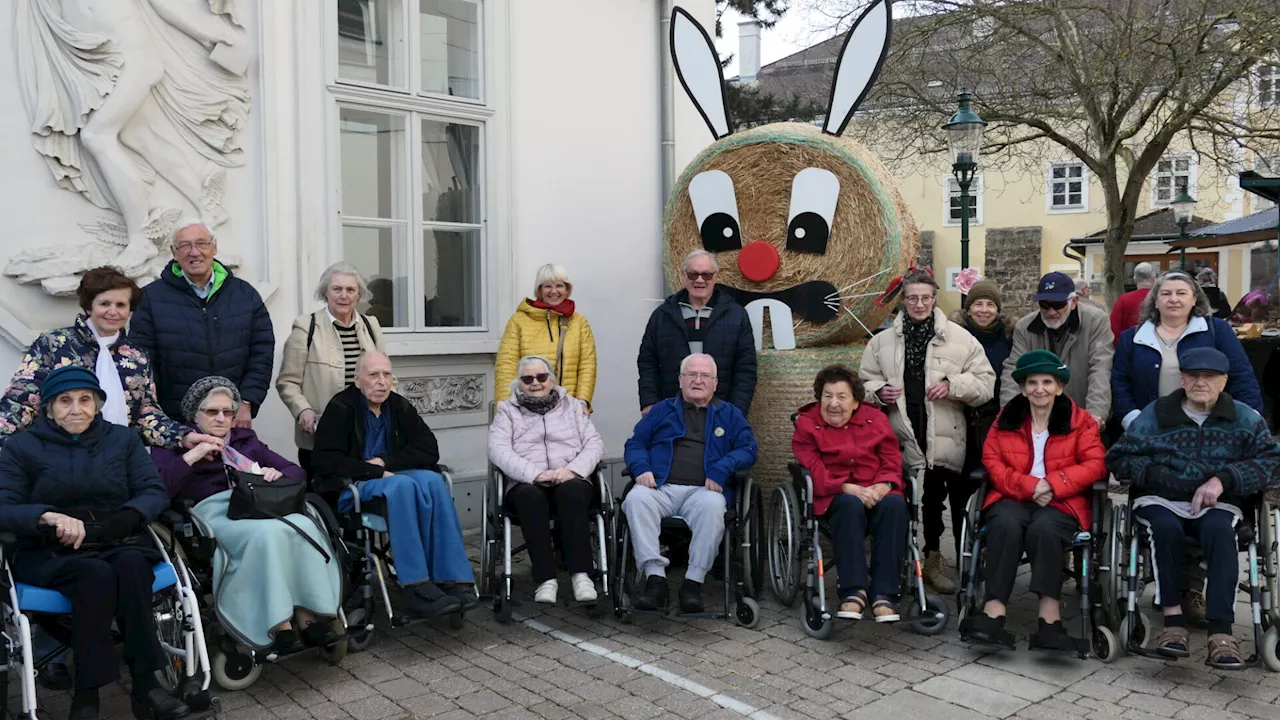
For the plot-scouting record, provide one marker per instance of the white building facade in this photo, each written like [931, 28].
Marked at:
[446, 147]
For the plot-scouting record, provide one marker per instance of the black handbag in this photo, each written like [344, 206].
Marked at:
[253, 498]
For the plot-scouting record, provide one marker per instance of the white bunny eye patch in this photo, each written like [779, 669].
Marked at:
[814, 194]
[715, 206]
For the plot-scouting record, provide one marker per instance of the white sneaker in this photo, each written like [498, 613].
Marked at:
[584, 590]
[547, 591]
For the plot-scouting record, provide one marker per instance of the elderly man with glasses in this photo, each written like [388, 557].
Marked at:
[1079, 334]
[684, 454]
[698, 319]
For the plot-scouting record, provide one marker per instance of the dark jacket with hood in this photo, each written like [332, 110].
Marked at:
[228, 333]
[728, 340]
[340, 439]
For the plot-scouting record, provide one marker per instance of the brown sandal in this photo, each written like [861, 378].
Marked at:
[884, 611]
[852, 606]
[1224, 652]
[1173, 642]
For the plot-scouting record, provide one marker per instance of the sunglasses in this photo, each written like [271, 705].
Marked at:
[695, 275]
[1052, 305]
[213, 413]
[540, 377]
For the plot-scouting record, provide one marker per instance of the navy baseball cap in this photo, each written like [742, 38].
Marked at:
[1055, 287]
[1204, 359]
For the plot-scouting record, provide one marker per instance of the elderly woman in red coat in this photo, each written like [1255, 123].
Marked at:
[1043, 455]
[852, 454]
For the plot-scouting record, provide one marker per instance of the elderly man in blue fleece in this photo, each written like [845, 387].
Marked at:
[684, 454]
[1191, 459]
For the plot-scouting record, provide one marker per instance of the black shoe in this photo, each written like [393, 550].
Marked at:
[287, 642]
[322, 633]
[85, 706]
[989, 631]
[1051, 637]
[55, 676]
[159, 705]
[427, 600]
[691, 597]
[654, 596]
[465, 593]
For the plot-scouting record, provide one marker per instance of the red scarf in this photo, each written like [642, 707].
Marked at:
[565, 308]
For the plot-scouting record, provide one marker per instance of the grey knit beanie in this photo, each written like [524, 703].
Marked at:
[201, 389]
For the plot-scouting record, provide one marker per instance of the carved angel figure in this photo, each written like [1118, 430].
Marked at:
[120, 91]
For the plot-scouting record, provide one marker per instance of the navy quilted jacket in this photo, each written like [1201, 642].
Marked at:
[227, 334]
[729, 340]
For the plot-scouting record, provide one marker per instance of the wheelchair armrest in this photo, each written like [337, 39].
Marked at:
[626, 472]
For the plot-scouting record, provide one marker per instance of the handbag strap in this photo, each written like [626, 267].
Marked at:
[298, 530]
[564, 325]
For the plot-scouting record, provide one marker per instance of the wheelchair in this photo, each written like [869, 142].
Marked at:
[496, 548]
[739, 559]
[1096, 567]
[236, 663]
[795, 540]
[177, 620]
[1256, 534]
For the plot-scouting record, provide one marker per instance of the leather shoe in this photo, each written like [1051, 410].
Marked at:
[691, 597]
[287, 642]
[427, 600]
[322, 633]
[465, 593]
[654, 596]
[159, 705]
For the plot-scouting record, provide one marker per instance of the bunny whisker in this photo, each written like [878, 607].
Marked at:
[855, 317]
[852, 285]
[833, 296]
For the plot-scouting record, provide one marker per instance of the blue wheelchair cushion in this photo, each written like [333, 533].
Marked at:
[43, 600]
[376, 523]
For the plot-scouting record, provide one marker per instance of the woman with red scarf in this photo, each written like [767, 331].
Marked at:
[549, 326]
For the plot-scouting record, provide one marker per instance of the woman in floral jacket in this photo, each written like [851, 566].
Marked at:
[97, 341]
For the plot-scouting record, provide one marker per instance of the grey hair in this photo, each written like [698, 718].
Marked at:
[715, 266]
[173, 239]
[341, 268]
[710, 359]
[1148, 310]
[528, 360]
[1143, 272]
[221, 390]
[552, 273]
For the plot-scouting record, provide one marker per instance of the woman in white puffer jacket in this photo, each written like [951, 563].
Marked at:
[543, 441]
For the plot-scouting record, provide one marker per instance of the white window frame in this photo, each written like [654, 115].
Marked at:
[950, 186]
[417, 106]
[1193, 176]
[1271, 71]
[1049, 207]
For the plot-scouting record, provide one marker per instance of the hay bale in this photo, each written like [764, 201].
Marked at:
[872, 230]
[785, 383]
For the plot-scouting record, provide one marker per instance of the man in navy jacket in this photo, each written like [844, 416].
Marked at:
[198, 320]
[684, 454]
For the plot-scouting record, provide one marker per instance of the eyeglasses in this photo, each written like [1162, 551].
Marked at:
[704, 275]
[215, 413]
[918, 299]
[201, 245]
[697, 375]
[1052, 305]
[540, 377]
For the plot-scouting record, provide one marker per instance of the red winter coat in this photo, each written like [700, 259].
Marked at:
[1074, 458]
[1124, 314]
[863, 452]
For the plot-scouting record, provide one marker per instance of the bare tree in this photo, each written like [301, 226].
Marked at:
[1113, 82]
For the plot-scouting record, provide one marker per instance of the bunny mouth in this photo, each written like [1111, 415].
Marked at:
[808, 300]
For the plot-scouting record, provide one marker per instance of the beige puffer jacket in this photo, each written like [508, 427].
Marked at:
[955, 356]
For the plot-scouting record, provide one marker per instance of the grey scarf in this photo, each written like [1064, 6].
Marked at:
[541, 405]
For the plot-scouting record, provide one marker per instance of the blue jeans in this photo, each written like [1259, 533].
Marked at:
[885, 525]
[426, 538]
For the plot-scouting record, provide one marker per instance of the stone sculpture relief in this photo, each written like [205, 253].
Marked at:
[445, 394]
[122, 92]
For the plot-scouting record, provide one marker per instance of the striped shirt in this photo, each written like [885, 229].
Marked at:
[350, 349]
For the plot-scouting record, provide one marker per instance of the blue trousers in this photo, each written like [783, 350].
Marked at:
[886, 525]
[1216, 533]
[426, 538]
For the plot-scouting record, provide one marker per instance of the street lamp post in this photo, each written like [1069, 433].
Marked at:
[964, 136]
[1184, 207]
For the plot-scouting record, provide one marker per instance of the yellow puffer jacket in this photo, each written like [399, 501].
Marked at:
[534, 331]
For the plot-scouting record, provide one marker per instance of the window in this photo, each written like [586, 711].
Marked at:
[1174, 174]
[1068, 187]
[952, 210]
[411, 121]
[1269, 85]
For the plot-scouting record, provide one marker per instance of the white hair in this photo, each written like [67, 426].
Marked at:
[708, 358]
[173, 239]
[529, 360]
[715, 267]
[552, 273]
[1143, 272]
[341, 268]
[220, 390]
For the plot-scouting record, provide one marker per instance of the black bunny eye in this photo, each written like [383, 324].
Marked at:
[814, 193]
[715, 206]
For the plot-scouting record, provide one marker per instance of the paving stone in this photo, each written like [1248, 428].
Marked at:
[1254, 708]
[1248, 689]
[1144, 684]
[1200, 712]
[374, 708]
[1162, 706]
[1050, 669]
[911, 704]
[482, 702]
[1201, 696]
[1097, 691]
[990, 703]
[1004, 681]
[401, 688]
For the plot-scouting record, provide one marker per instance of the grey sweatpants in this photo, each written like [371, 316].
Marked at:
[702, 509]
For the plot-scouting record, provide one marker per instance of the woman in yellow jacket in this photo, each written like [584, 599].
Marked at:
[551, 327]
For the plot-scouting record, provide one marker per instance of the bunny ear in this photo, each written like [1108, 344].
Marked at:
[861, 58]
[698, 68]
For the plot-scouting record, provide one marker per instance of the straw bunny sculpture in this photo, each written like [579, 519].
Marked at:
[807, 226]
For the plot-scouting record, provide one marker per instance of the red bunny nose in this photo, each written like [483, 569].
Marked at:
[758, 261]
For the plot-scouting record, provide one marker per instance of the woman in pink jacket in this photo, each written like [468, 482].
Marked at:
[545, 444]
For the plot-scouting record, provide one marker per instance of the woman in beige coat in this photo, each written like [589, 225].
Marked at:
[321, 352]
[926, 370]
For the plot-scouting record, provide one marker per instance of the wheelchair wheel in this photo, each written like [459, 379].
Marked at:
[747, 613]
[812, 623]
[936, 606]
[1140, 635]
[752, 553]
[1270, 650]
[784, 544]
[234, 670]
[1105, 644]
[335, 653]
[1109, 568]
[359, 636]
[170, 625]
[487, 530]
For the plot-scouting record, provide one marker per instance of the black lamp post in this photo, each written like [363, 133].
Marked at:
[1184, 207]
[964, 136]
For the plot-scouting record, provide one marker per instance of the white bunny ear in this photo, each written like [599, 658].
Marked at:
[698, 68]
[861, 58]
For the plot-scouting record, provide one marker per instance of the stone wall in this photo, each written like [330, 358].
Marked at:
[924, 258]
[1013, 263]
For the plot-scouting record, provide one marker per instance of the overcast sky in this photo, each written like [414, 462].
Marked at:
[793, 32]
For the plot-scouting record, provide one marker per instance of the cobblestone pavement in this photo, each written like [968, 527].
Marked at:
[557, 663]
